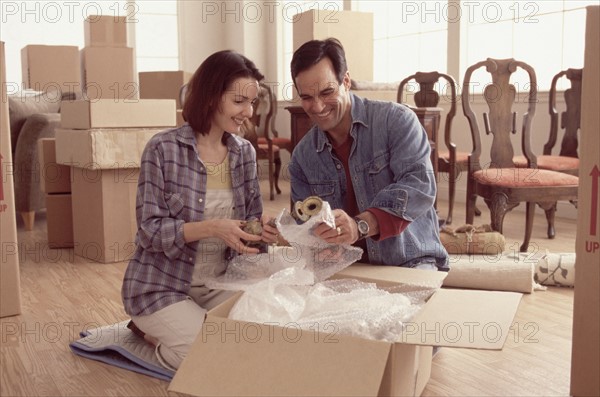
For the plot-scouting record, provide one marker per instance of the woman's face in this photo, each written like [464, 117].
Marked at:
[235, 105]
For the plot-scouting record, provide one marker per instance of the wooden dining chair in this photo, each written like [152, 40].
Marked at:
[265, 148]
[450, 160]
[567, 160]
[281, 142]
[501, 184]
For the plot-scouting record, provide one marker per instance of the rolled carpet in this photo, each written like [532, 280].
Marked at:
[556, 269]
[503, 272]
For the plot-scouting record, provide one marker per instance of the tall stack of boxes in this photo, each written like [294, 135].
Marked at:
[107, 63]
[102, 141]
[164, 85]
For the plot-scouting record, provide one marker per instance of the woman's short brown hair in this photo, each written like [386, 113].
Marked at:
[208, 84]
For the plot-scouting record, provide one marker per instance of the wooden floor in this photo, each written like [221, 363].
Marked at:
[63, 294]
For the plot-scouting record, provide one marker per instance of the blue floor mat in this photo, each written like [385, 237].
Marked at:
[117, 345]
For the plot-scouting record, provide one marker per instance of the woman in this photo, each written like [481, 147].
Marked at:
[198, 184]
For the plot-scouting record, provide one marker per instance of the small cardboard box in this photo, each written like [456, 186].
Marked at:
[55, 178]
[237, 358]
[102, 148]
[108, 113]
[108, 72]
[585, 358]
[59, 220]
[51, 67]
[163, 85]
[105, 31]
[357, 40]
[104, 223]
[10, 283]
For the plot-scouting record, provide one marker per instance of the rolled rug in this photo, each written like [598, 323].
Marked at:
[556, 269]
[503, 272]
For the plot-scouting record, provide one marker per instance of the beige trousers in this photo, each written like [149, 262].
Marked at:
[177, 326]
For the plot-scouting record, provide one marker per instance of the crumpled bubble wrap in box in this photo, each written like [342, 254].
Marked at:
[288, 286]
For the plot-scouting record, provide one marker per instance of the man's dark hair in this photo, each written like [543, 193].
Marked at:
[208, 84]
[312, 52]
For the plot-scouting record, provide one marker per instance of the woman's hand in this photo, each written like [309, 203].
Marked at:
[231, 232]
[228, 230]
[270, 233]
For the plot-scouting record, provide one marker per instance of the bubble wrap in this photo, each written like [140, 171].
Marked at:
[348, 307]
[306, 252]
[286, 287]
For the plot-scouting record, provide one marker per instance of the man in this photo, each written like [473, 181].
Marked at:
[369, 160]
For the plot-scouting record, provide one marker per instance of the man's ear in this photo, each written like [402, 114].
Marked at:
[346, 81]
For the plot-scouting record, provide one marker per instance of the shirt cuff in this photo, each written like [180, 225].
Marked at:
[389, 225]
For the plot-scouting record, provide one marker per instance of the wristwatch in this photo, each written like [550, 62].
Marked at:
[363, 227]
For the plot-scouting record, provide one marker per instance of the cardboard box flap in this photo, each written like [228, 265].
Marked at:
[236, 358]
[385, 276]
[464, 318]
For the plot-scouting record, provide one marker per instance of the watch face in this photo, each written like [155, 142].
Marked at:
[363, 227]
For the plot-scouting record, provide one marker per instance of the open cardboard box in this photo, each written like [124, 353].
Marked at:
[237, 358]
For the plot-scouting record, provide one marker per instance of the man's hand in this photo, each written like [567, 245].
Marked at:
[345, 232]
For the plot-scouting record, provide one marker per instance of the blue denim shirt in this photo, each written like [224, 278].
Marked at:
[391, 169]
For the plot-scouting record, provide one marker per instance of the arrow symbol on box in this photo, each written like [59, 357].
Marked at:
[595, 174]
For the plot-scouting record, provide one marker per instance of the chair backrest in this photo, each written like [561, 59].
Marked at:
[427, 96]
[263, 111]
[502, 120]
[570, 119]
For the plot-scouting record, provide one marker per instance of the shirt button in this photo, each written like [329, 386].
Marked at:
[191, 259]
[200, 200]
[338, 166]
[252, 191]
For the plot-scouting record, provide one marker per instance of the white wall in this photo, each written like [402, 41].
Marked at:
[209, 26]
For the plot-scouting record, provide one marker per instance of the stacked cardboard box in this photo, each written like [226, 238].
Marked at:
[106, 61]
[56, 183]
[10, 292]
[164, 85]
[51, 68]
[102, 141]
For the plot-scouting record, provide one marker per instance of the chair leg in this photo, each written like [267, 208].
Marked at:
[550, 209]
[471, 198]
[499, 206]
[529, 213]
[276, 175]
[451, 192]
[271, 177]
[28, 219]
